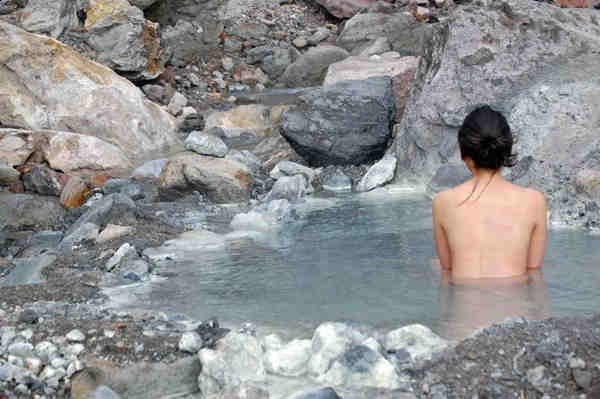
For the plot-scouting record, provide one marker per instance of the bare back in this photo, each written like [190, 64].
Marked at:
[499, 232]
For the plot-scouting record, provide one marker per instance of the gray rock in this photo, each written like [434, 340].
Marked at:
[347, 123]
[419, 341]
[43, 180]
[447, 176]
[125, 253]
[154, 92]
[539, 79]
[378, 175]
[320, 35]
[28, 316]
[75, 336]
[406, 35]
[377, 46]
[290, 359]
[104, 392]
[245, 157]
[8, 174]
[311, 67]
[127, 187]
[143, 4]
[29, 270]
[50, 16]
[20, 349]
[177, 103]
[288, 168]
[291, 188]
[536, 377]
[337, 182]
[190, 342]
[124, 40]
[150, 170]
[21, 211]
[323, 393]
[583, 378]
[206, 144]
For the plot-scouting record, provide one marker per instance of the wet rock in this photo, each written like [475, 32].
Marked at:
[291, 188]
[401, 69]
[50, 17]
[288, 168]
[204, 143]
[447, 176]
[378, 175]
[123, 39]
[323, 393]
[75, 193]
[419, 341]
[264, 218]
[20, 211]
[47, 72]
[113, 232]
[406, 35]
[8, 174]
[237, 359]
[190, 342]
[311, 67]
[348, 123]
[43, 180]
[289, 360]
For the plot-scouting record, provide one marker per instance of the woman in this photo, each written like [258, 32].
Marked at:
[488, 227]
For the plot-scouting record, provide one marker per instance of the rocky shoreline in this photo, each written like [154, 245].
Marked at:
[133, 131]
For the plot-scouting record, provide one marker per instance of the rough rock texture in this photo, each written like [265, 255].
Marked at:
[406, 35]
[43, 180]
[346, 123]
[534, 62]
[221, 180]
[417, 340]
[400, 69]
[44, 84]
[18, 211]
[311, 67]
[379, 174]
[345, 8]
[49, 16]
[289, 360]
[8, 174]
[206, 144]
[123, 39]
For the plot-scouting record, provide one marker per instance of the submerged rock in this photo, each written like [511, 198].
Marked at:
[290, 188]
[348, 123]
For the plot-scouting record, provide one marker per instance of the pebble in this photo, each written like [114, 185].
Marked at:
[75, 336]
[20, 349]
[33, 364]
[583, 378]
[28, 316]
[300, 42]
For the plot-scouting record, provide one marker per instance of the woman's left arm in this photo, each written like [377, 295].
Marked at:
[441, 240]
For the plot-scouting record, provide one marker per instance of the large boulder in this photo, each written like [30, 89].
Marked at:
[45, 84]
[49, 16]
[123, 39]
[221, 180]
[21, 211]
[310, 68]
[534, 62]
[347, 123]
[400, 69]
[406, 35]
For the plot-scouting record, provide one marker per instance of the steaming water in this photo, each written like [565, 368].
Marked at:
[366, 259]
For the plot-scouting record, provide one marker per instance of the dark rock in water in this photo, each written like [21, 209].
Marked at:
[348, 123]
[43, 180]
[28, 316]
[447, 176]
[211, 332]
[323, 393]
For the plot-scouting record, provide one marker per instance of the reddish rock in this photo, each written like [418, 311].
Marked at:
[75, 193]
[17, 188]
[572, 3]
[43, 180]
[98, 179]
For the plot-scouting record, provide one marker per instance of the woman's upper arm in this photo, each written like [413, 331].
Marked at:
[537, 243]
[441, 240]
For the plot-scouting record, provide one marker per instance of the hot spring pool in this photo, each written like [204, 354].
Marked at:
[366, 259]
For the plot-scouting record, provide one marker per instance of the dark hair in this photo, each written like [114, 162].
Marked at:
[485, 137]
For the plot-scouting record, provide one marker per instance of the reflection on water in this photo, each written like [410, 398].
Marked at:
[466, 306]
[366, 260]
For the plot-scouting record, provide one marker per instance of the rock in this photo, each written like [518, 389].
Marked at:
[345, 8]
[274, 149]
[419, 341]
[47, 72]
[336, 182]
[113, 231]
[406, 35]
[190, 121]
[177, 103]
[347, 123]
[123, 39]
[16, 146]
[128, 187]
[573, 3]
[75, 193]
[51, 17]
[154, 92]
[143, 4]
[24, 211]
[190, 342]
[375, 47]
[378, 175]
[535, 376]
[246, 158]
[75, 336]
[291, 188]
[310, 68]
[33, 364]
[587, 183]
[264, 218]
[219, 179]
[243, 121]
[185, 41]
[43, 180]
[275, 61]
[20, 349]
[290, 360]
[125, 253]
[236, 360]
[323, 393]
[447, 176]
[28, 316]
[583, 378]
[249, 75]
[360, 366]
[206, 144]
[288, 168]
[104, 392]
[321, 34]
[150, 170]
[8, 174]
[400, 69]
[300, 42]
